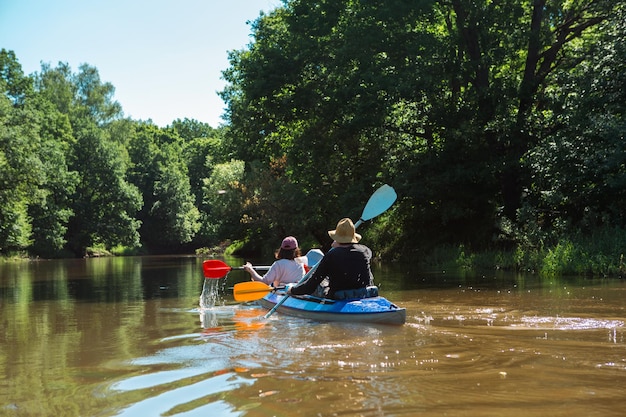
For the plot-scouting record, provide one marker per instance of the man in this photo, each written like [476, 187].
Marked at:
[345, 267]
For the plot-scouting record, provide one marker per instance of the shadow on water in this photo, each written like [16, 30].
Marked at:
[152, 337]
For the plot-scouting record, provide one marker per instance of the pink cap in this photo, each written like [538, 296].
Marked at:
[289, 243]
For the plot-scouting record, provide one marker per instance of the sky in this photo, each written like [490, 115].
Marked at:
[164, 57]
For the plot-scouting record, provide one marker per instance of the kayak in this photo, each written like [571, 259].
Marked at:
[376, 310]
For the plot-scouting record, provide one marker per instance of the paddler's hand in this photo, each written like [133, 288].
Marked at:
[248, 267]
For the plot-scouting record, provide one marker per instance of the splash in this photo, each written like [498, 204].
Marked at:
[210, 296]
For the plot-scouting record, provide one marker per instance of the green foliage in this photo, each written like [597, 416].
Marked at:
[50, 211]
[36, 182]
[82, 96]
[578, 172]
[449, 101]
[235, 247]
[121, 250]
[598, 254]
[15, 185]
[174, 206]
[202, 146]
[560, 259]
[221, 193]
[104, 204]
[169, 216]
[190, 129]
[500, 124]
[74, 172]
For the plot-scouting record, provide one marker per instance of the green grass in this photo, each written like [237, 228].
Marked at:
[599, 254]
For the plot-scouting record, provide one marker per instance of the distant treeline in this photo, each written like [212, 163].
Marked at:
[500, 125]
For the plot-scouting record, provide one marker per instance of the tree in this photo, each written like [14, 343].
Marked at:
[201, 146]
[579, 179]
[35, 139]
[173, 214]
[190, 129]
[105, 203]
[50, 209]
[498, 60]
[18, 180]
[222, 212]
[19, 176]
[169, 216]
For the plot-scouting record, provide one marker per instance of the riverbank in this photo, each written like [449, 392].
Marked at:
[598, 255]
[565, 258]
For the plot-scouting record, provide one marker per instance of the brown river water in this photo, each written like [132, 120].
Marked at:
[149, 336]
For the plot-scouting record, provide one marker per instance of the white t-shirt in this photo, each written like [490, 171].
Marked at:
[285, 271]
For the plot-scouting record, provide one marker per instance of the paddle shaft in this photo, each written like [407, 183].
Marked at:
[259, 267]
[377, 204]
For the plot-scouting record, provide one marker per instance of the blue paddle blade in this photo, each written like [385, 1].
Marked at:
[379, 202]
[313, 257]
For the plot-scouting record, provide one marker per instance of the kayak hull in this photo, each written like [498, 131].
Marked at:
[376, 310]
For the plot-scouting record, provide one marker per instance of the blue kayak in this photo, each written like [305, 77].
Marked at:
[376, 310]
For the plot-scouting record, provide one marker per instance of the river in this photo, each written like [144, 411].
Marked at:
[149, 336]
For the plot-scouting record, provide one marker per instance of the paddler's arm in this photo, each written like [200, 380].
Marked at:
[310, 285]
[253, 274]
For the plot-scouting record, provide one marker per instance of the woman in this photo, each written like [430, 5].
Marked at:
[287, 269]
[345, 267]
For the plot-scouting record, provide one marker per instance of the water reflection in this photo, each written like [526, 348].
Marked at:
[150, 336]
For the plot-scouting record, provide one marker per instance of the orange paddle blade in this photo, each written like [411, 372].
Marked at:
[214, 268]
[251, 291]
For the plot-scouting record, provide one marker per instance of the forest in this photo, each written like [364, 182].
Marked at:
[500, 124]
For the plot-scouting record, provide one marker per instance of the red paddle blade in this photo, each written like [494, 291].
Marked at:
[214, 268]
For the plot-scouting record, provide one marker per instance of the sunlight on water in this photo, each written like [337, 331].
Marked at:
[569, 323]
[200, 397]
[190, 374]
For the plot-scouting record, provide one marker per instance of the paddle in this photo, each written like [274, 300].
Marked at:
[214, 268]
[251, 291]
[379, 202]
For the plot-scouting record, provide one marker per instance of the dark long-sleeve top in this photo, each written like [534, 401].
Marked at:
[346, 267]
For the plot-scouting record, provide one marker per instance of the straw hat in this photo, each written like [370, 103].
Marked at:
[344, 233]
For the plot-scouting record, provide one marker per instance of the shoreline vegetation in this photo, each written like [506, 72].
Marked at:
[592, 258]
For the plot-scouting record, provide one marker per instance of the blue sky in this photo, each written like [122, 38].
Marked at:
[165, 58]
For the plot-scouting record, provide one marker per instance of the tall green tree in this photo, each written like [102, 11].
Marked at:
[222, 209]
[169, 215]
[201, 147]
[497, 61]
[19, 176]
[36, 179]
[50, 209]
[579, 175]
[104, 204]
